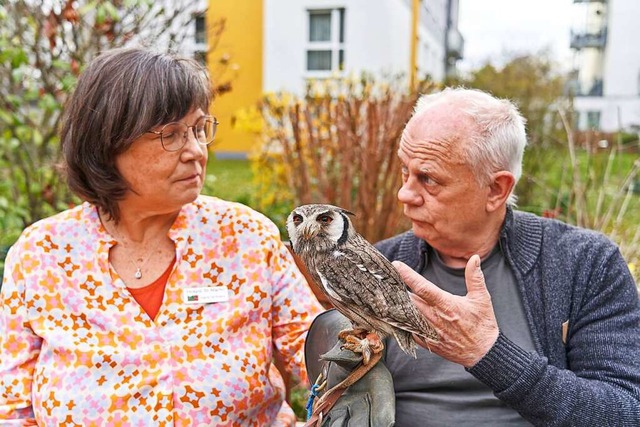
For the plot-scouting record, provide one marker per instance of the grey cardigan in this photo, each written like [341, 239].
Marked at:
[565, 274]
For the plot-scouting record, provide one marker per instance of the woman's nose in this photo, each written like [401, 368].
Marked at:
[193, 146]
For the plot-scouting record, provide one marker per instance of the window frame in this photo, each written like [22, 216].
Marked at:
[335, 45]
[200, 47]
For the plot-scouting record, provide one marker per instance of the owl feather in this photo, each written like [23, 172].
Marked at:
[359, 281]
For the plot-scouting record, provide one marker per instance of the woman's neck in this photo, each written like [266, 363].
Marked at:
[137, 228]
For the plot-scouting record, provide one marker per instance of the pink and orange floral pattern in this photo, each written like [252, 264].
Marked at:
[76, 349]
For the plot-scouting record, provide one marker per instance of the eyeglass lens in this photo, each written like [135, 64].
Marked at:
[175, 135]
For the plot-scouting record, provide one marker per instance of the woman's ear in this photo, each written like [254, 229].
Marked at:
[499, 190]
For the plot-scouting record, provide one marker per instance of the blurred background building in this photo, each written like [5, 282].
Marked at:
[279, 45]
[606, 73]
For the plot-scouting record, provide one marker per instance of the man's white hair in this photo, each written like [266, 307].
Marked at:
[499, 138]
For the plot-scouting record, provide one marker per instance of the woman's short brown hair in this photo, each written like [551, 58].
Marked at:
[122, 94]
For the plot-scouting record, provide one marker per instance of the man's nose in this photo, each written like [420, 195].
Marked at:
[408, 195]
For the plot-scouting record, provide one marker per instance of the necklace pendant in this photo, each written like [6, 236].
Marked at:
[138, 274]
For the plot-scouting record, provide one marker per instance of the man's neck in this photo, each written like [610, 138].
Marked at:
[481, 243]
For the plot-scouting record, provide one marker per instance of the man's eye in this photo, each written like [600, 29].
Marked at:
[426, 179]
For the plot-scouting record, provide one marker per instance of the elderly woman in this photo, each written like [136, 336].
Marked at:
[149, 304]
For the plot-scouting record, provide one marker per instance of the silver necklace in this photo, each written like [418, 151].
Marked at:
[142, 261]
[138, 273]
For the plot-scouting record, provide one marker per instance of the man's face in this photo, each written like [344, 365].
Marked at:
[441, 196]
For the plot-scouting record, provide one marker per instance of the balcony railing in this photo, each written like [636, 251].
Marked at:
[573, 87]
[581, 40]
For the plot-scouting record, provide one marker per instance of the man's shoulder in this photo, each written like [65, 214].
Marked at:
[560, 237]
[551, 227]
[394, 246]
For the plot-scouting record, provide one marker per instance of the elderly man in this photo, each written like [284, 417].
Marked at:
[539, 321]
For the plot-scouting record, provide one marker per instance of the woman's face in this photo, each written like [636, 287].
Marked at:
[161, 181]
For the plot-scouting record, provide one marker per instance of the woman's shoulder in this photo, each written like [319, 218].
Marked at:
[66, 221]
[225, 211]
[57, 231]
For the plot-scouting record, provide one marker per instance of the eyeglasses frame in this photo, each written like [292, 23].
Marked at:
[192, 128]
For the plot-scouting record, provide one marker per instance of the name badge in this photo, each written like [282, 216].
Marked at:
[205, 295]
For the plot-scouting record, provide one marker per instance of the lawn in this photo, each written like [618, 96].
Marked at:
[230, 179]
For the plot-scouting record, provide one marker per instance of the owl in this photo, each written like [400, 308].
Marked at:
[360, 282]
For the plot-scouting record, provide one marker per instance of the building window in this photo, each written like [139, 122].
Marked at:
[593, 120]
[325, 49]
[201, 29]
[200, 38]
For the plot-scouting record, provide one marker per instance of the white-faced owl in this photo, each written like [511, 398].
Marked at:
[360, 282]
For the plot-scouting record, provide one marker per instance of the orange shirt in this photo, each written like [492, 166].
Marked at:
[150, 297]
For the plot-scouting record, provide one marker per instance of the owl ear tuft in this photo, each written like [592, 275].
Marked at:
[344, 211]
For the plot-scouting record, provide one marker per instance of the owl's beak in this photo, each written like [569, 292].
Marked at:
[307, 233]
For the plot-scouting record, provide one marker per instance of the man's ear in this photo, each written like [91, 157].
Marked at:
[499, 190]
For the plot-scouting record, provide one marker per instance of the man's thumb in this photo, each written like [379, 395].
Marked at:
[473, 276]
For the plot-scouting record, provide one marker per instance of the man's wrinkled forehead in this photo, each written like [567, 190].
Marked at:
[421, 128]
[443, 121]
[416, 129]
[420, 122]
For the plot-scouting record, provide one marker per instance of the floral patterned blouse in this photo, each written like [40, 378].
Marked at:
[76, 349]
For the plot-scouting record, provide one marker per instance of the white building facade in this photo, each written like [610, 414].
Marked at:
[311, 39]
[607, 65]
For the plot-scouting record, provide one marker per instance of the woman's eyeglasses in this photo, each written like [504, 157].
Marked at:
[175, 135]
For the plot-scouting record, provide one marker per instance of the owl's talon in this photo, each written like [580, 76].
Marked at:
[364, 342]
[366, 352]
[355, 332]
[375, 342]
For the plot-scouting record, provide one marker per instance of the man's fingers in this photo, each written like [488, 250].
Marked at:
[473, 275]
[420, 286]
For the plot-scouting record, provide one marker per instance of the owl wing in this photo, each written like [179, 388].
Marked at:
[362, 280]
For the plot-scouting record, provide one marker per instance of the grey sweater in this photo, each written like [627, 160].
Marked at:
[565, 274]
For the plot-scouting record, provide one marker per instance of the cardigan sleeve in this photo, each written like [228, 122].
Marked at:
[601, 382]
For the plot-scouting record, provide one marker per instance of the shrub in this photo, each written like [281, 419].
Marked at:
[337, 144]
[589, 184]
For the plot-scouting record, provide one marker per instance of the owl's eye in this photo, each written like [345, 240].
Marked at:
[325, 218]
[297, 219]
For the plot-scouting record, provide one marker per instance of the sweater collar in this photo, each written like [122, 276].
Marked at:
[520, 239]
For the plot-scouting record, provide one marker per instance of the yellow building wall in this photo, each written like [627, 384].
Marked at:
[242, 43]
